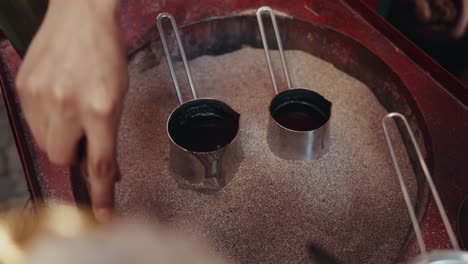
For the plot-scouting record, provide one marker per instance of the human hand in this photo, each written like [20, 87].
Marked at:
[461, 26]
[71, 85]
[443, 17]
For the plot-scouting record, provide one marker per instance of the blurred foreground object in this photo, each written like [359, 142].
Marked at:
[63, 234]
[439, 27]
[436, 20]
[21, 231]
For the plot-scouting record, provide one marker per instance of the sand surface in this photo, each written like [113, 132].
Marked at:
[345, 207]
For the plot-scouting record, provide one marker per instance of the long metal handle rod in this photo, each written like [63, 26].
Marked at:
[404, 189]
[168, 56]
[265, 46]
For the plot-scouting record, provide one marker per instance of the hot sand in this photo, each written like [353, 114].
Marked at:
[345, 207]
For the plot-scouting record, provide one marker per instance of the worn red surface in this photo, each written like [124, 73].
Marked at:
[371, 3]
[441, 99]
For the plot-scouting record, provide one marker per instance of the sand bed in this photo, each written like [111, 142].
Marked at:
[343, 208]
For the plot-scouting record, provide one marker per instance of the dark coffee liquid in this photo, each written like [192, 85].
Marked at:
[206, 132]
[299, 116]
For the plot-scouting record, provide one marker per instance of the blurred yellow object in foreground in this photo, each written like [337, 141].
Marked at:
[60, 234]
[18, 229]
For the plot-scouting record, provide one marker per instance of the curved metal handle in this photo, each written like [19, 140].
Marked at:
[265, 46]
[168, 56]
[404, 189]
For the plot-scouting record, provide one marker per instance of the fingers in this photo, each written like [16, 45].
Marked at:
[461, 26]
[102, 164]
[422, 10]
[38, 125]
[31, 101]
[71, 84]
[51, 115]
[63, 135]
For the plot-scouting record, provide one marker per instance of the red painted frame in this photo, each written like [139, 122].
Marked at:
[440, 97]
